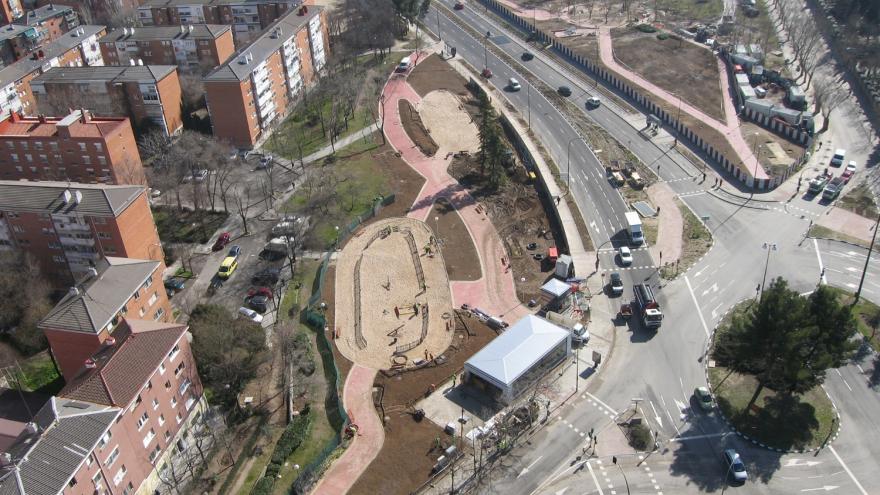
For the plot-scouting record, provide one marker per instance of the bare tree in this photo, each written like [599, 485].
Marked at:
[242, 201]
[827, 93]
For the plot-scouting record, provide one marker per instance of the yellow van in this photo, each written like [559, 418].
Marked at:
[228, 266]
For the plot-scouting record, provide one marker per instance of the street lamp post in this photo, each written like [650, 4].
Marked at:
[769, 246]
[568, 165]
[439, 36]
[529, 101]
[867, 259]
[486, 50]
[614, 460]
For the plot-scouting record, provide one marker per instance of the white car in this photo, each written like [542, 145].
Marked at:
[626, 257]
[594, 102]
[513, 84]
[250, 314]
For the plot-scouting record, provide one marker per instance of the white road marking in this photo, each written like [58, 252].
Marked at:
[606, 406]
[712, 288]
[844, 380]
[826, 488]
[800, 462]
[699, 312]
[845, 468]
[698, 437]
[819, 257]
[656, 416]
[526, 469]
[859, 366]
[596, 480]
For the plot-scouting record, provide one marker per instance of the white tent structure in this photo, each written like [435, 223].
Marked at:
[518, 358]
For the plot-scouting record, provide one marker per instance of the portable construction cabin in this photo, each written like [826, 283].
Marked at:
[518, 358]
[554, 294]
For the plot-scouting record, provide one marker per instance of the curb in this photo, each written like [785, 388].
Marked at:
[836, 240]
[836, 420]
[695, 263]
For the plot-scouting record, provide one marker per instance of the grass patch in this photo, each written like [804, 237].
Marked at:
[867, 316]
[185, 225]
[183, 273]
[301, 135]
[651, 228]
[343, 188]
[39, 374]
[696, 240]
[826, 233]
[690, 10]
[298, 290]
[859, 201]
[786, 422]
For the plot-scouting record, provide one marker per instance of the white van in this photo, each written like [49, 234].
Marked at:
[839, 156]
[403, 66]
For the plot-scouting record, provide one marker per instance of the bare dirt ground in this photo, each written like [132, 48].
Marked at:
[764, 147]
[459, 252]
[449, 126]
[693, 75]
[377, 266]
[433, 74]
[415, 129]
[410, 448]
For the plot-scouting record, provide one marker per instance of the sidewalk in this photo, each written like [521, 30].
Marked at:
[847, 222]
[671, 224]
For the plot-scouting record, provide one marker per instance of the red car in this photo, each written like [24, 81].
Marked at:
[260, 291]
[222, 241]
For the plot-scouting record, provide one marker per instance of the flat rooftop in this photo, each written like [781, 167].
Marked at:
[15, 71]
[92, 127]
[166, 33]
[135, 73]
[174, 3]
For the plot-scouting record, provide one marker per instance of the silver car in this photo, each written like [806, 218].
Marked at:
[735, 466]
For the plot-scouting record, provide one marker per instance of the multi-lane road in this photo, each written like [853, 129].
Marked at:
[664, 367]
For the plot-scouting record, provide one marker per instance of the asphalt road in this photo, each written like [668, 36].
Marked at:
[663, 367]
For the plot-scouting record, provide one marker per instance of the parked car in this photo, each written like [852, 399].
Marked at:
[527, 56]
[735, 466]
[258, 303]
[703, 397]
[227, 267]
[818, 183]
[222, 241]
[200, 175]
[832, 190]
[594, 102]
[839, 156]
[626, 257]
[267, 276]
[234, 251]
[459, 6]
[564, 91]
[848, 172]
[513, 84]
[250, 314]
[155, 193]
[265, 162]
[260, 291]
[175, 284]
[616, 284]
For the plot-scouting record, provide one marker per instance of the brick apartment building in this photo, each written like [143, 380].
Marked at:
[247, 17]
[145, 93]
[38, 27]
[260, 84]
[132, 410]
[50, 20]
[196, 47]
[72, 49]
[76, 148]
[17, 41]
[92, 310]
[10, 10]
[68, 228]
[97, 11]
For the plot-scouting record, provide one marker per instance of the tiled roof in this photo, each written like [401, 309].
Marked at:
[122, 369]
[44, 461]
[238, 68]
[74, 75]
[10, 31]
[15, 71]
[162, 33]
[93, 305]
[172, 3]
[48, 197]
[40, 14]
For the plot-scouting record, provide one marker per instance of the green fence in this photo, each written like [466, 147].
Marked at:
[313, 316]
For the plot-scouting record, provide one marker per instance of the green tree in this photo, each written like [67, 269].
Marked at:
[491, 145]
[787, 342]
[228, 350]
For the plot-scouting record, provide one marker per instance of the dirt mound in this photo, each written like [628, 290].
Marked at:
[447, 121]
[414, 128]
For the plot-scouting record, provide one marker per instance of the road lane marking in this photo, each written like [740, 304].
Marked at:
[699, 312]
[819, 257]
[698, 437]
[800, 462]
[596, 480]
[844, 380]
[606, 406]
[846, 468]
[526, 469]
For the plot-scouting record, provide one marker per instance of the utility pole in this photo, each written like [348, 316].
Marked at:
[769, 246]
[867, 259]
[529, 101]
[438, 25]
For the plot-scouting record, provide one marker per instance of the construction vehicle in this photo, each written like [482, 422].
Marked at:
[579, 333]
[647, 306]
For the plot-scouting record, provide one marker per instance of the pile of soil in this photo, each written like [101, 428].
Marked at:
[433, 74]
[412, 124]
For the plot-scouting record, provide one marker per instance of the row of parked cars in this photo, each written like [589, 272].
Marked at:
[831, 186]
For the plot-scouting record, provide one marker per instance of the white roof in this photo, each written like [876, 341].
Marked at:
[516, 350]
[556, 287]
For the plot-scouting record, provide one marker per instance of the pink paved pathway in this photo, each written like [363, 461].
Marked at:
[358, 400]
[729, 128]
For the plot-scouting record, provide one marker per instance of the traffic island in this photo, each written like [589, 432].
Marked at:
[776, 421]
[696, 241]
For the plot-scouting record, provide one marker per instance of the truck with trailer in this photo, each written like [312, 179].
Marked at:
[636, 235]
[647, 306]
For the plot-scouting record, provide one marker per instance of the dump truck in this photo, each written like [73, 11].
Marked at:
[635, 227]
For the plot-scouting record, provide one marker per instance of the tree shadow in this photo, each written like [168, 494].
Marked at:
[874, 374]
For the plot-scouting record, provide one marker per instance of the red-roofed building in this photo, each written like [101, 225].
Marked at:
[76, 148]
[147, 371]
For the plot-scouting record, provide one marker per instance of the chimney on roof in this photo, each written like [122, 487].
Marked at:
[41, 118]
[182, 29]
[110, 341]
[77, 197]
[31, 428]
[5, 459]
[90, 364]
[132, 62]
[85, 118]
[140, 61]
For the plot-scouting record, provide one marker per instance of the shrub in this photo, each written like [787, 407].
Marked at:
[639, 437]
[662, 36]
[264, 486]
[291, 439]
[646, 28]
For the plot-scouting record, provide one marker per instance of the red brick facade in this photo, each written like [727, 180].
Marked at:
[198, 53]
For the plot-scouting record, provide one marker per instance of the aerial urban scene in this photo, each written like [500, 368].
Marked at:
[394, 247]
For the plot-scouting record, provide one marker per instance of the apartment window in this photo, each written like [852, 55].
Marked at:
[46, 231]
[90, 171]
[149, 385]
[149, 438]
[102, 160]
[33, 169]
[97, 479]
[44, 158]
[155, 405]
[112, 457]
[53, 146]
[28, 157]
[38, 145]
[162, 372]
[87, 160]
[137, 402]
[54, 245]
[153, 299]
[184, 387]
[99, 220]
[71, 483]
[136, 295]
[119, 475]
[142, 312]
[128, 489]
[148, 283]
[103, 235]
[10, 145]
[159, 313]
[174, 352]
[24, 145]
[14, 156]
[57, 157]
[19, 168]
[142, 421]
[89, 461]
[174, 401]
[167, 435]
[155, 453]
[82, 146]
[179, 368]
[58, 259]
[179, 418]
[99, 147]
[110, 249]
[104, 440]
[161, 419]
[17, 228]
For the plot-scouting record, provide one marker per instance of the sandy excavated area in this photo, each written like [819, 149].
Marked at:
[387, 278]
[450, 126]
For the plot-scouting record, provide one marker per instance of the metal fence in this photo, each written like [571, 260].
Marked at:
[314, 317]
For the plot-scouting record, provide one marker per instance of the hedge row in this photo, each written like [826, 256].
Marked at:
[290, 440]
[264, 486]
